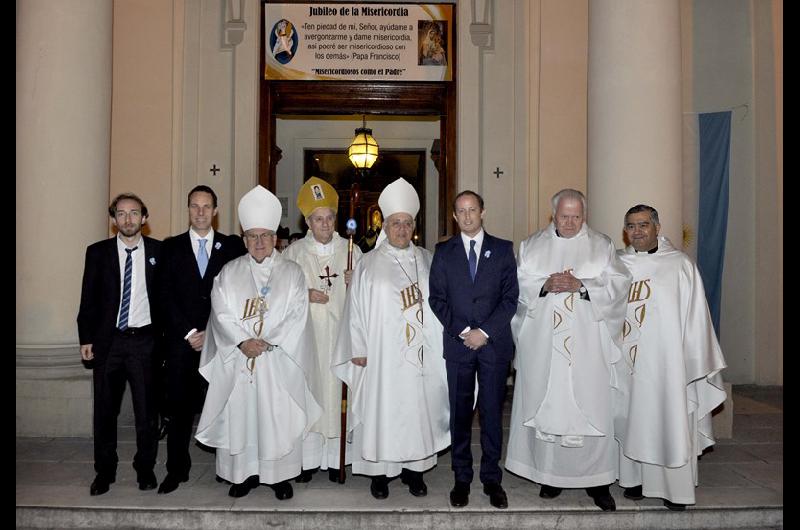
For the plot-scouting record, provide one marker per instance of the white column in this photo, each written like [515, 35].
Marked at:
[634, 144]
[63, 98]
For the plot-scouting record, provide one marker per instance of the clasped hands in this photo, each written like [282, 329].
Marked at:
[474, 339]
[562, 282]
[254, 347]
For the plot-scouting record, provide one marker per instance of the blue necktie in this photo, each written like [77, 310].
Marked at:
[202, 257]
[126, 290]
[473, 260]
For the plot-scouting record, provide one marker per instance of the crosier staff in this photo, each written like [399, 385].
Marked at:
[351, 232]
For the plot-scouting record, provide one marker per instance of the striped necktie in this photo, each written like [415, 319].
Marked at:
[126, 290]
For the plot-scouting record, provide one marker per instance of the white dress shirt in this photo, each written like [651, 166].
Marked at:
[139, 309]
[195, 237]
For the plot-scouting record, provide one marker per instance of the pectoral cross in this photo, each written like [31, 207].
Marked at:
[328, 275]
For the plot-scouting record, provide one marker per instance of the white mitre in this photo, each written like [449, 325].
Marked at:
[397, 197]
[259, 208]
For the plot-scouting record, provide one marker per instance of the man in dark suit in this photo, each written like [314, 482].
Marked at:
[117, 328]
[474, 294]
[190, 261]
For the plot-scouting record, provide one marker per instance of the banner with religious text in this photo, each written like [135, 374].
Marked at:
[358, 42]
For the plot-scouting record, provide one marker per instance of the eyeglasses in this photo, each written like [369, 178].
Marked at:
[265, 236]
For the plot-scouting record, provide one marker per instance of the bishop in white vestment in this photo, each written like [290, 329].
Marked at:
[390, 355]
[568, 331]
[669, 380]
[322, 255]
[259, 359]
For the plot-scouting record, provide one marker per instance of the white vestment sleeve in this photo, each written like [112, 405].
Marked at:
[604, 294]
[352, 339]
[704, 361]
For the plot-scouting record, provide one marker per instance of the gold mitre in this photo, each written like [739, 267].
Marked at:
[316, 193]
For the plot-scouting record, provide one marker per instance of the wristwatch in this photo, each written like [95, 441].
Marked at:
[582, 290]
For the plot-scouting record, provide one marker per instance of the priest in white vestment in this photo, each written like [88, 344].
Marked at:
[259, 359]
[568, 330]
[669, 380]
[389, 353]
[322, 254]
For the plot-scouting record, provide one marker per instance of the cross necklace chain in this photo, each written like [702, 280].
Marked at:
[262, 309]
[415, 285]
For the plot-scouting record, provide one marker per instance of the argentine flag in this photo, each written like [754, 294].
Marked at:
[706, 171]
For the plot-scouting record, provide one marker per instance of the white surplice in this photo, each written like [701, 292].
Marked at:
[400, 408]
[669, 380]
[323, 267]
[561, 420]
[257, 420]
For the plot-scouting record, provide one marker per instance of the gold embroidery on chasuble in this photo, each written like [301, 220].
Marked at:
[562, 323]
[411, 301]
[255, 308]
[640, 291]
[569, 302]
[639, 313]
[557, 319]
[632, 351]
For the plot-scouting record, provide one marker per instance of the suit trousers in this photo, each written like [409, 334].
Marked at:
[492, 378]
[184, 396]
[129, 359]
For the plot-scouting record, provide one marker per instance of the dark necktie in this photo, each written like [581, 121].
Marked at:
[126, 290]
[202, 257]
[473, 260]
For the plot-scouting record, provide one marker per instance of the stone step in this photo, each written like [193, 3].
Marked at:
[249, 518]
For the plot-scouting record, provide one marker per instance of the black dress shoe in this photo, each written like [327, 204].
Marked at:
[634, 493]
[549, 492]
[413, 479]
[306, 475]
[605, 503]
[240, 490]
[171, 482]
[674, 506]
[602, 498]
[459, 495]
[379, 487]
[147, 480]
[100, 485]
[497, 495]
[283, 490]
[221, 480]
[333, 475]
